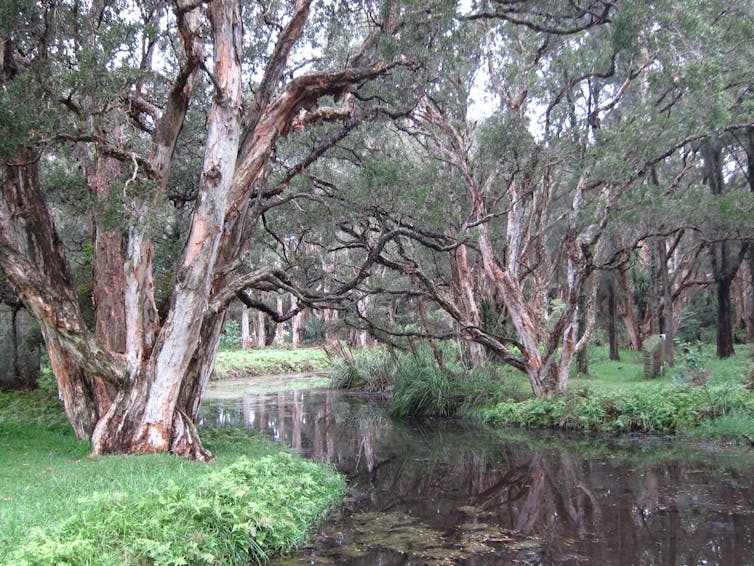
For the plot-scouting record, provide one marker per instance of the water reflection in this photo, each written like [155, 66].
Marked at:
[445, 492]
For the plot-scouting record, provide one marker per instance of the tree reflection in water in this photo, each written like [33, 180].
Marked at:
[448, 492]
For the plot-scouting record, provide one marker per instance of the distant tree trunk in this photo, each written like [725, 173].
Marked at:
[582, 356]
[245, 329]
[724, 317]
[260, 331]
[627, 310]
[667, 301]
[724, 262]
[612, 318]
[652, 301]
[295, 324]
[279, 326]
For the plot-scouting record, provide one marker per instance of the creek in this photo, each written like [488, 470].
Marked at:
[453, 492]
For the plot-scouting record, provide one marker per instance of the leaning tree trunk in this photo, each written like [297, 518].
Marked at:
[32, 257]
[467, 300]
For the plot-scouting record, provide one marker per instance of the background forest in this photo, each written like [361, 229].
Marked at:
[519, 178]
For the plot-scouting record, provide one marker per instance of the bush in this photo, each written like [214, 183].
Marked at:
[422, 388]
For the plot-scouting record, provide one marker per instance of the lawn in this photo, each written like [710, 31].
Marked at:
[243, 363]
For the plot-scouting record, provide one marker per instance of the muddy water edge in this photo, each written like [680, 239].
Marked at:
[450, 492]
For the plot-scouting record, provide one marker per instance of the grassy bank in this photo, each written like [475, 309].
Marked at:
[614, 397]
[60, 506]
[244, 363]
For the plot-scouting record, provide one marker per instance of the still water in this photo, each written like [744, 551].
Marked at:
[448, 492]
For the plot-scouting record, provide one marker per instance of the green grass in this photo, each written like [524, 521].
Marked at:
[243, 363]
[370, 370]
[58, 505]
[615, 397]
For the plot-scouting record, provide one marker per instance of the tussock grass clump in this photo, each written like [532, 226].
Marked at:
[425, 389]
[371, 370]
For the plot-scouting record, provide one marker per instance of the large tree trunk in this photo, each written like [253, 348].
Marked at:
[146, 416]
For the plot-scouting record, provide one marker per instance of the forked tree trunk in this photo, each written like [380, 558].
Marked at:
[133, 385]
[146, 416]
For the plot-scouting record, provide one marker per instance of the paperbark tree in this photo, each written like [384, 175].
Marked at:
[135, 381]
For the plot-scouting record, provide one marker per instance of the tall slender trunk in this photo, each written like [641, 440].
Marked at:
[260, 332]
[612, 317]
[653, 301]
[667, 301]
[245, 329]
[627, 310]
[295, 324]
[723, 259]
[279, 326]
[724, 317]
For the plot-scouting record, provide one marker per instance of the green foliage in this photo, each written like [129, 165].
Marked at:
[38, 407]
[243, 512]
[231, 336]
[617, 399]
[372, 370]
[667, 411]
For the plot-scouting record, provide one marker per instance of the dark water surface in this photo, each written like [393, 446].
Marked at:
[445, 492]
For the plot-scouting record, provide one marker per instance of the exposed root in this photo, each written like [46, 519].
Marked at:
[185, 440]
